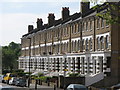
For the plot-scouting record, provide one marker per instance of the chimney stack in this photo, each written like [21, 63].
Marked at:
[39, 23]
[30, 28]
[51, 19]
[65, 13]
[85, 6]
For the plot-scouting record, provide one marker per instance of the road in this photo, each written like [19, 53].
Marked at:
[32, 87]
[9, 87]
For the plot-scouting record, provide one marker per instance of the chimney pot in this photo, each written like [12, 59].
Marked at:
[85, 6]
[65, 12]
[39, 23]
[30, 28]
[51, 18]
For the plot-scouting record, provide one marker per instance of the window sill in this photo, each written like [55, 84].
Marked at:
[107, 26]
[102, 27]
[83, 50]
[91, 50]
[98, 49]
[90, 29]
[107, 49]
[97, 28]
[102, 49]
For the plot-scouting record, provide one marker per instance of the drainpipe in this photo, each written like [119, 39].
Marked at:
[94, 34]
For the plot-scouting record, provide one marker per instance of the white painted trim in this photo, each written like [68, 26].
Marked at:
[68, 22]
[77, 19]
[58, 25]
[48, 44]
[32, 47]
[92, 55]
[23, 48]
[56, 42]
[87, 37]
[104, 35]
[65, 41]
[56, 57]
[51, 27]
[73, 39]
[42, 45]
[27, 48]
[37, 46]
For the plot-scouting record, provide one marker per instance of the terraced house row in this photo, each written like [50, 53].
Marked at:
[79, 43]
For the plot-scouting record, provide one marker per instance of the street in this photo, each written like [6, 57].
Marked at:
[32, 87]
[9, 87]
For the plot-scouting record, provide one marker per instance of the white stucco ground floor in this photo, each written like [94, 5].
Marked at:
[87, 64]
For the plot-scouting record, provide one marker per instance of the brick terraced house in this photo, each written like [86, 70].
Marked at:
[80, 43]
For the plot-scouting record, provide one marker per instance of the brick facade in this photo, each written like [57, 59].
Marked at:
[84, 41]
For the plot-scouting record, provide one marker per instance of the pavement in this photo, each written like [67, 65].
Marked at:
[42, 87]
[4, 86]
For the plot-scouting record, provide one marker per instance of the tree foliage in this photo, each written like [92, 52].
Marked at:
[10, 56]
[111, 13]
[111, 10]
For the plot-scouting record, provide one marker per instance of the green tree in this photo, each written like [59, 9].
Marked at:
[10, 56]
[111, 10]
[111, 13]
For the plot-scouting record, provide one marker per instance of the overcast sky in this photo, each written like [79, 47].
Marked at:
[16, 15]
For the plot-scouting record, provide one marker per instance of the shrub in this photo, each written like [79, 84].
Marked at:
[73, 74]
[40, 74]
[44, 78]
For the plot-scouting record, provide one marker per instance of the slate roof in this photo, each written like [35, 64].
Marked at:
[71, 17]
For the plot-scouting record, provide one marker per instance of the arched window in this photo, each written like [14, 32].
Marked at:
[75, 47]
[86, 26]
[67, 28]
[64, 47]
[107, 42]
[75, 29]
[47, 49]
[98, 43]
[86, 44]
[78, 45]
[79, 27]
[83, 46]
[91, 25]
[98, 23]
[58, 48]
[72, 27]
[55, 48]
[83, 26]
[67, 46]
[90, 44]
[102, 22]
[102, 42]
[72, 46]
